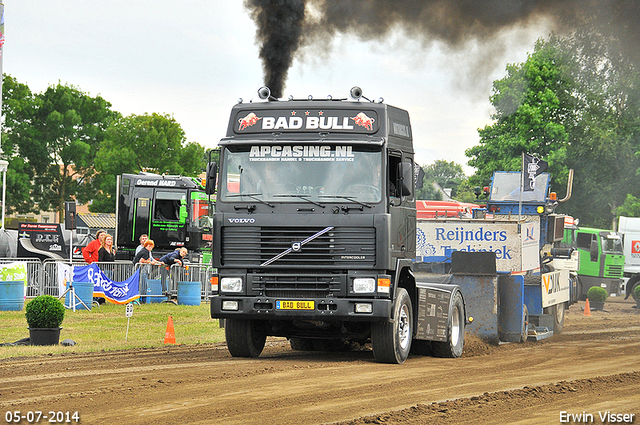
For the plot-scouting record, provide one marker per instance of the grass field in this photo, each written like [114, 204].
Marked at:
[105, 328]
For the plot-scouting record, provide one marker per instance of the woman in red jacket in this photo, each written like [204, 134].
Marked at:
[90, 252]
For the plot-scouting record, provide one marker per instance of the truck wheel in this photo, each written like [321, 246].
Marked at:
[301, 344]
[454, 344]
[391, 341]
[558, 318]
[244, 338]
[630, 289]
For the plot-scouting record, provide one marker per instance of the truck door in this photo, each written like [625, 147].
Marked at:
[169, 219]
[401, 206]
[588, 244]
[141, 219]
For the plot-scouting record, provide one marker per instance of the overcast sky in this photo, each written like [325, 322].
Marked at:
[193, 59]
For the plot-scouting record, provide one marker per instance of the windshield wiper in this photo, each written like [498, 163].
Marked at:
[303, 197]
[348, 198]
[252, 196]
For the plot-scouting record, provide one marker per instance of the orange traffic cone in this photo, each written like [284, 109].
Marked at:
[170, 335]
[587, 309]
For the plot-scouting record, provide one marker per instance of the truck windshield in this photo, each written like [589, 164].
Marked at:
[506, 187]
[611, 243]
[301, 172]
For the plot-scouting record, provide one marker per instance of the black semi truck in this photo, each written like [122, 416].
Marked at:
[315, 232]
[174, 211]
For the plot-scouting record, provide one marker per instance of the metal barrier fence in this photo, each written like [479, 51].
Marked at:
[42, 277]
[116, 271]
[193, 273]
[153, 282]
[34, 273]
[169, 277]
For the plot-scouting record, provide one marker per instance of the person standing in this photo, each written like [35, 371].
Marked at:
[107, 252]
[143, 239]
[90, 252]
[144, 255]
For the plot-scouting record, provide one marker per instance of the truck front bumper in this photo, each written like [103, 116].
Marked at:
[325, 309]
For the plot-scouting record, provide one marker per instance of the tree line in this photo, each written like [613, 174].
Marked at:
[63, 144]
[574, 102]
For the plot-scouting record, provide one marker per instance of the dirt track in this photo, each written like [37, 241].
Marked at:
[594, 366]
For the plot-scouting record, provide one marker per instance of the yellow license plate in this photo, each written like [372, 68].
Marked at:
[295, 305]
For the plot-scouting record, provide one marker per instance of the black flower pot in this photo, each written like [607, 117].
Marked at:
[597, 305]
[44, 336]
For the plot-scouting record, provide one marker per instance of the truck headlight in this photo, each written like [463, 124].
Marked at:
[364, 284]
[231, 284]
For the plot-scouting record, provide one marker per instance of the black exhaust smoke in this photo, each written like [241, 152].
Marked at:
[286, 25]
[279, 33]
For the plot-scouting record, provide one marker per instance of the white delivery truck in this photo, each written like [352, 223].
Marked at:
[630, 229]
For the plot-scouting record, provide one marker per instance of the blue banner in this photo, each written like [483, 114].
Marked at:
[115, 292]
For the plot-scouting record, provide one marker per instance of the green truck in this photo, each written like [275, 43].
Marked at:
[601, 257]
[174, 211]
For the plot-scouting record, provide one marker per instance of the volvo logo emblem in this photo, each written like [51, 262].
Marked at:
[242, 220]
[296, 246]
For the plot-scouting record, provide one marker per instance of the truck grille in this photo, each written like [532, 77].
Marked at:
[297, 285]
[614, 271]
[340, 247]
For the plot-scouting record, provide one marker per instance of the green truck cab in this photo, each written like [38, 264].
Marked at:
[601, 258]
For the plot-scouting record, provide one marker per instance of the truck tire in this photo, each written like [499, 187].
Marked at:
[631, 286]
[454, 344]
[244, 338]
[391, 341]
[633, 291]
[558, 317]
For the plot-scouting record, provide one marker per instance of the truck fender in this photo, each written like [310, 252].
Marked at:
[404, 278]
[455, 296]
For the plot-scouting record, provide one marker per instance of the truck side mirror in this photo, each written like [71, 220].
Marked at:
[594, 250]
[406, 184]
[212, 175]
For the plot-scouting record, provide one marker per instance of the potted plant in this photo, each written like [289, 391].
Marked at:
[636, 295]
[44, 316]
[597, 296]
